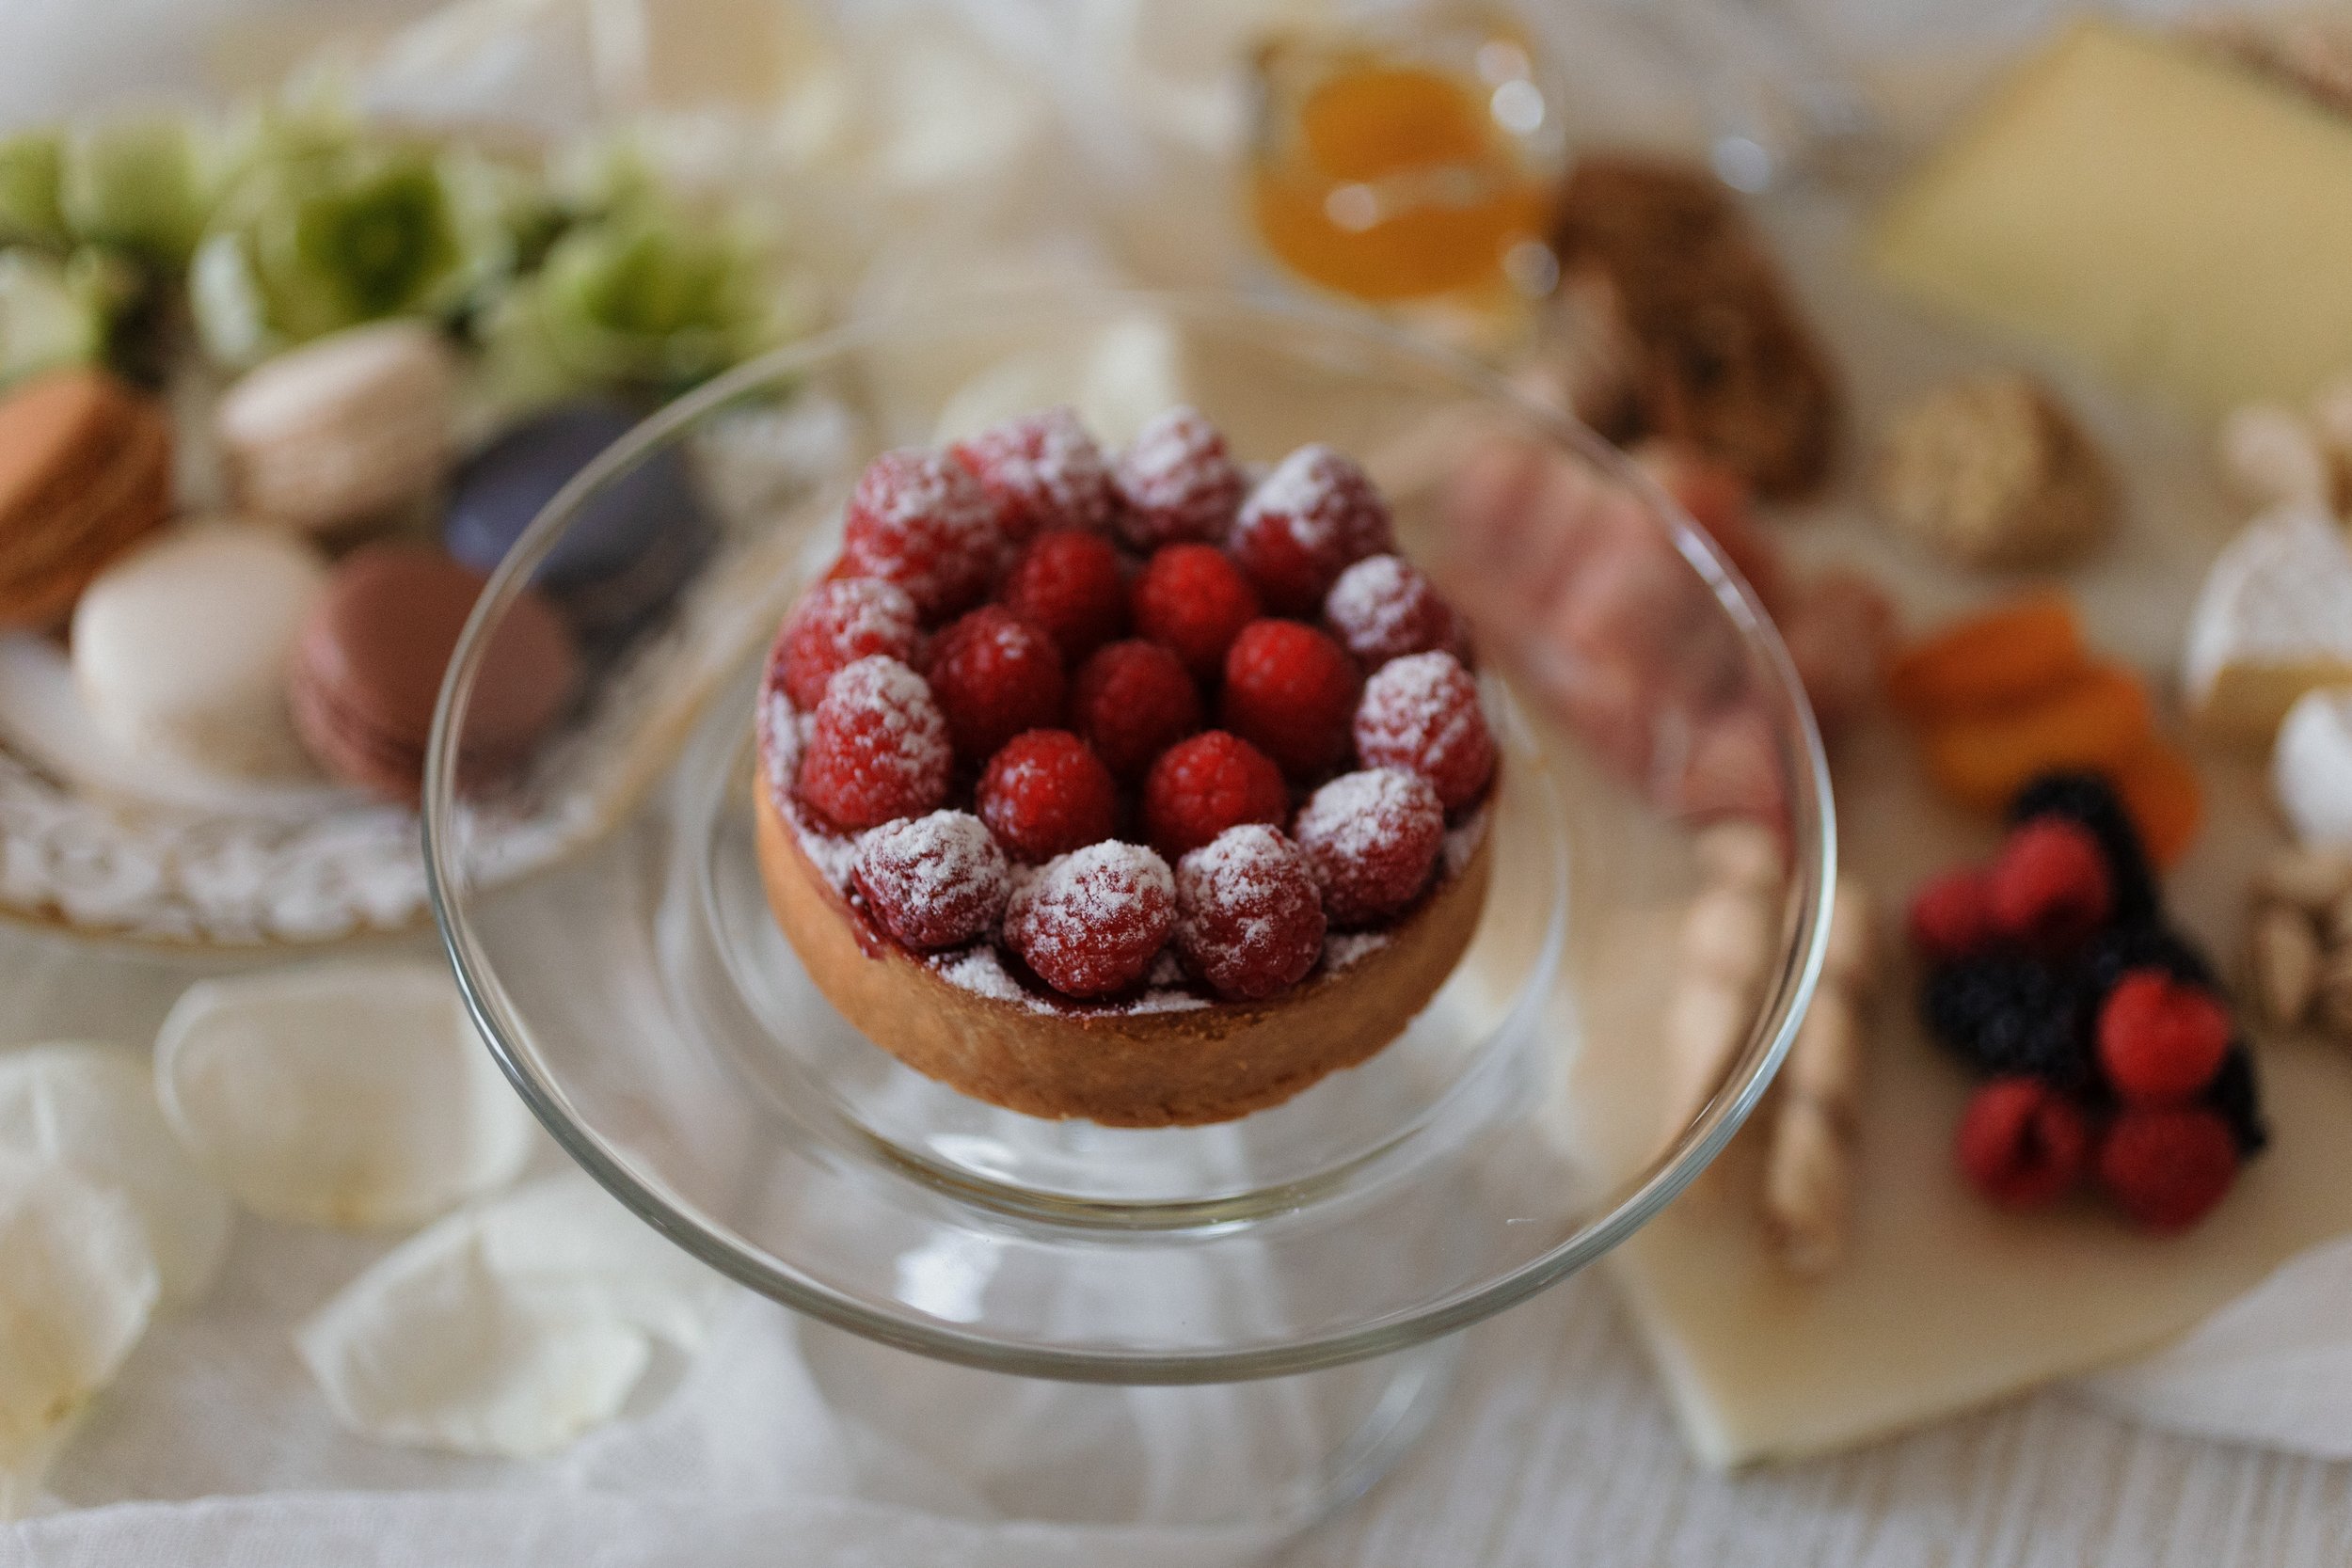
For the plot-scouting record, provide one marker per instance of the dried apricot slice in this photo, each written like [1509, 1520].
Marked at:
[2092, 722]
[2160, 789]
[1999, 659]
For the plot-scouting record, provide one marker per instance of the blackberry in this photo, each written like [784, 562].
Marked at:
[2237, 1096]
[2121, 948]
[2090, 801]
[2009, 1015]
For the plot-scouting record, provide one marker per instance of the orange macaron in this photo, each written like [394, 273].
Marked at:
[84, 473]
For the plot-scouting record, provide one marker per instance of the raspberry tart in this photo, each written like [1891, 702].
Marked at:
[1120, 787]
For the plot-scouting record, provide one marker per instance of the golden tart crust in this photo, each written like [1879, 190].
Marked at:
[1118, 1066]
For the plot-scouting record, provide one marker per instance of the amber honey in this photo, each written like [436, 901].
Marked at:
[1396, 180]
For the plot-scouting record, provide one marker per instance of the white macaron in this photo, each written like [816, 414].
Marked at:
[344, 429]
[180, 649]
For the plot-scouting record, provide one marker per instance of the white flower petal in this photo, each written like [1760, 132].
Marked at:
[352, 1094]
[76, 1289]
[91, 1108]
[510, 1329]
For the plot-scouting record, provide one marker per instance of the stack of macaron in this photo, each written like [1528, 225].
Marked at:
[308, 631]
[85, 474]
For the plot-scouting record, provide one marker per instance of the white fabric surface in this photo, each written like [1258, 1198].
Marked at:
[216, 1448]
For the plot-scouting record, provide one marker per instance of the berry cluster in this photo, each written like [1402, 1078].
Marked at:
[2102, 1032]
[1018, 659]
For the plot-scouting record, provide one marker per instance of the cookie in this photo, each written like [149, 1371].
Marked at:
[180, 649]
[633, 545]
[1725, 359]
[344, 429]
[368, 666]
[84, 472]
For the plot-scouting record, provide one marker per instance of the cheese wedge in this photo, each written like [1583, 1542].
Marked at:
[2174, 217]
[2310, 772]
[2273, 621]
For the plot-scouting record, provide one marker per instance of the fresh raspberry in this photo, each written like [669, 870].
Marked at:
[1249, 920]
[919, 519]
[994, 675]
[1176, 482]
[2049, 888]
[1069, 583]
[2021, 1143]
[1044, 794]
[1950, 917]
[1044, 470]
[934, 882]
[1194, 599]
[1382, 608]
[1091, 922]
[1201, 786]
[1306, 523]
[1421, 712]
[1291, 691]
[1132, 701]
[2168, 1165]
[839, 622]
[1371, 839]
[877, 748]
[2160, 1040]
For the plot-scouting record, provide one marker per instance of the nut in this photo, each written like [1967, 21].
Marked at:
[2309, 878]
[1846, 955]
[2284, 956]
[2273, 457]
[1739, 854]
[1825, 1062]
[2337, 922]
[2335, 995]
[1728, 935]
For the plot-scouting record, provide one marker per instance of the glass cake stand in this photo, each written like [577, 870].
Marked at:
[647, 1008]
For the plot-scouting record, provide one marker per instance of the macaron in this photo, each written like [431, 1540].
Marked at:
[84, 473]
[368, 665]
[180, 649]
[346, 428]
[632, 547]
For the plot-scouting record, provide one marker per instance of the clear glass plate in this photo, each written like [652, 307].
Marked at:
[647, 1008]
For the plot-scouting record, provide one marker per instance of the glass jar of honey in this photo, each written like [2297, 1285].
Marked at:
[1406, 166]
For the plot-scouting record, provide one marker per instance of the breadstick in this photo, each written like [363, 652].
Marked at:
[1808, 1179]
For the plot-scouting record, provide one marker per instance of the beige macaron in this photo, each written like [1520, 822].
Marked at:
[180, 649]
[344, 429]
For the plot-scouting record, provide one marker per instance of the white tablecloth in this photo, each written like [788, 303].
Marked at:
[1556, 1445]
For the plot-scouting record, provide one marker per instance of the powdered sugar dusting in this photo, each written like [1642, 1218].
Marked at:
[980, 972]
[896, 702]
[1384, 609]
[1178, 481]
[1248, 918]
[1091, 922]
[1462, 843]
[1357, 814]
[920, 520]
[1423, 712]
[934, 880]
[1046, 467]
[834, 855]
[1343, 948]
[778, 737]
[1167, 1001]
[1324, 500]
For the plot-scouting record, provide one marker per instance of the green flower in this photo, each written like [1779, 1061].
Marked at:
[57, 312]
[327, 236]
[144, 185]
[649, 298]
[28, 188]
